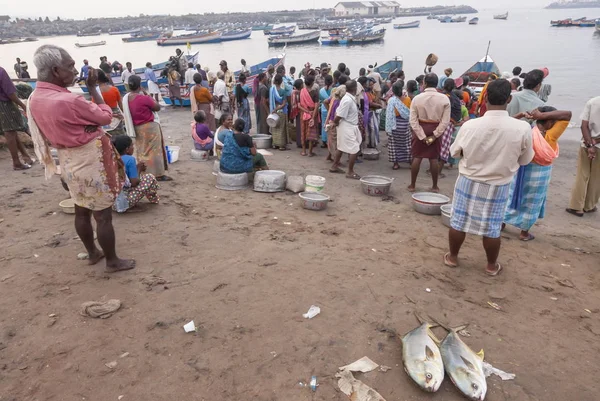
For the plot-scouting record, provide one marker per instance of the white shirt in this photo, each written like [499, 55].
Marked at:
[493, 147]
[348, 110]
[244, 69]
[591, 113]
[189, 75]
[125, 76]
[377, 77]
[220, 89]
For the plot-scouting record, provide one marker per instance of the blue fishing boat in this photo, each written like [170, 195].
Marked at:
[282, 30]
[256, 69]
[480, 72]
[387, 68]
[408, 25]
[445, 20]
[185, 95]
[194, 38]
[265, 27]
[236, 34]
[145, 36]
[126, 32]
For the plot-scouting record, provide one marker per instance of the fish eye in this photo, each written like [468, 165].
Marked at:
[475, 386]
[429, 376]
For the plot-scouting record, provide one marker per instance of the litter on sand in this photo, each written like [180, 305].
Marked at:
[264, 152]
[355, 389]
[102, 310]
[189, 327]
[384, 368]
[489, 370]
[83, 256]
[364, 365]
[312, 312]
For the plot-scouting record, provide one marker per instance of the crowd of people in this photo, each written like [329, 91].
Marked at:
[503, 139]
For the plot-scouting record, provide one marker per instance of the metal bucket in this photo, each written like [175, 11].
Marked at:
[269, 181]
[273, 120]
[232, 182]
[262, 141]
[376, 185]
[314, 200]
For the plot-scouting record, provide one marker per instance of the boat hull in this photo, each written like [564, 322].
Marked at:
[256, 69]
[414, 24]
[236, 36]
[295, 40]
[193, 40]
[141, 38]
[102, 43]
[391, 66]
[474, 21]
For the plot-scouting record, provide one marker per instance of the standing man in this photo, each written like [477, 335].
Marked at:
[349, 137]
[87, 158]
[491, 149]
[153, 88]
[586, 192]
[126, 74]
[228, 76]
[220, 92]
[447, 73]
[429, 117]
[244, 69]
[174, 87]
[18, 68]
[11, 121]
[84, 70]
[378, 81]
[527, 99]
[181, 63]
[189, 75]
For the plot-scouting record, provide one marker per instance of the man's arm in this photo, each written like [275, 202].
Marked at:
[585, 130]
[441, 128]
[414, 123]
[456, 150]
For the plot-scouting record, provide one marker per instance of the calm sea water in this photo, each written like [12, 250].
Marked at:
[525, 39]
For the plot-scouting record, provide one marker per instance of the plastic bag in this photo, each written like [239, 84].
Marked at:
[295, 184]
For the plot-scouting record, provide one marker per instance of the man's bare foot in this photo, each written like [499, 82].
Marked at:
[411, 188]
[435, 190]
[95, 257]
[120, 265]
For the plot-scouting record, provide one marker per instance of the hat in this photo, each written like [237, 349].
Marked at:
[459, 82]
[546, 71]
[223, 62]
[448, 71]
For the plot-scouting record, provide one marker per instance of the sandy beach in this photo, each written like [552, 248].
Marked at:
[231, 264]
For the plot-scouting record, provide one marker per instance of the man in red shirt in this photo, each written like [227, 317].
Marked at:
[72, 125]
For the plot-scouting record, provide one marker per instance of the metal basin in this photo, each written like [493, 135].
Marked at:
[262, 141]
[429, 203]
[371, 154]
[446, 214]
[232, 182]
[269, 181]
[376, 185]
[273, 120]
[314, 200]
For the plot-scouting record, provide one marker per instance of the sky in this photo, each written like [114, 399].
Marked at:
[79, 10]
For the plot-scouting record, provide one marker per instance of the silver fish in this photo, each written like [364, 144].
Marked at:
[422, 359]
[464, 366]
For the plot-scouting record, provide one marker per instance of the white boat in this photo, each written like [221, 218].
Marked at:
[474, 21]
[101, 43]
[195, 38]
[413, 24]
[501, 16]
[284, 40]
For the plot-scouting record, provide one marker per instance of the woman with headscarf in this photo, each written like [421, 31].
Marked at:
[202, 99]
[241, 92]
[397, 127]
[239, 153]
[529, 189]
[278, 105]
[309, 109]
[139, 111]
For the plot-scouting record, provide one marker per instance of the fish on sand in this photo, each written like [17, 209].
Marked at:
[422, 358]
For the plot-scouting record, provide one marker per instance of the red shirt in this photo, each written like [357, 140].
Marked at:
[140, 108]
[62, 116]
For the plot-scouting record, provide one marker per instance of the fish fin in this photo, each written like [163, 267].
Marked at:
[468, 363]
[460, 328]
[440, 324]
[480, 354]
[429, 354]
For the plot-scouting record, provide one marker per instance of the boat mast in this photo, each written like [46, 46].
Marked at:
[487, 53]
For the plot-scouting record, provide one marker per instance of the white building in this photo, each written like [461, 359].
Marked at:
[366, 8]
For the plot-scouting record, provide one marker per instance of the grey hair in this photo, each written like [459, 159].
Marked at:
[220, 74]
[47, 57]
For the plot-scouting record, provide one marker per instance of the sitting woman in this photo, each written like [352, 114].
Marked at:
[529, 189]
[138, 183]
[203, 138]
[225, 125]
[239, 153]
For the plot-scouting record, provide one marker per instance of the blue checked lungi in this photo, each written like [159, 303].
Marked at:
[478, 208]
[535, 184]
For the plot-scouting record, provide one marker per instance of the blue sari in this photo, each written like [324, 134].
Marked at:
[324, 94]
[243, 108]
[234, 158]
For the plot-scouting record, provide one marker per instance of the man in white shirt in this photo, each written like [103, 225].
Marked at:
[586, 192]
[126, 74]
[244, 69]
[349, 137]
[220, 92]
[189, 75]
[491, 149]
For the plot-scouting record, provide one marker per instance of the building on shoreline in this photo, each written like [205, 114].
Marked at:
[366, 8]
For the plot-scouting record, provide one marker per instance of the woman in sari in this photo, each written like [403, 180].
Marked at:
[482, 100]
[324, 94]
[309, 110]
[398, 128]
[225, 124]
[241, 92]
[139, 109]
[278, 105]
[261, 103]
[201, 134]
[239, 153]
[112, 98]
[202, 99]
[528, 191]
[455, 117]
[295, 115]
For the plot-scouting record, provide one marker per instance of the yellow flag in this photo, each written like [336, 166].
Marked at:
[189, 46]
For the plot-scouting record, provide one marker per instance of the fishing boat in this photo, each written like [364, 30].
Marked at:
[193, 39]
[387, 68]
[333, 37]
[501, 16]
[92, 44]
[598, 25]
[445, 20]
[235, 34]
[433, 16]
[82, 34]
[586, 23]
[127, 32]
[413, 24]
[256, 69]
[459, 19]
[480, 71]
[282, 30]
[474, 21]
[184, 91]
[265, 27]
[365, 37]
[309, 25]
[145, 36]
[284, 40]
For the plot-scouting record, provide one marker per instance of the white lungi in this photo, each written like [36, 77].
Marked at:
[349, 138]
[153, 88]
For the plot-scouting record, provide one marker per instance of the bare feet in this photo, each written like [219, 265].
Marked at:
[120, 265]
[450, 260]
[411, 188]
[435, 190]
[95, 257]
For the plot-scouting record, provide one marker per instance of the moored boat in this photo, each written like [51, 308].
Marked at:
[282, 30]
[445, 20]
[195, 38]
[82, 34]
[262, 27]
[256, 69]
[459, 19]
[284, 40]
[501, 16]
[333, 37]
[236, 34]
[388, 67]
[480, 72]
[127, 32]
[145, 36]
[433, 16]
[365, 37]
[92, 44]
[474, 21]
[413, 24]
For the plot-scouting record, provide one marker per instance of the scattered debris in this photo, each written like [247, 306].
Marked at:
[312, 312]
[464, 333]
[152, 281]
[124, 355]
[554, 298]
[565, 265]
[566, 283]
[364, 365]
[588, 311]
[24, 191]
[428, 289]
[52, 315]
[313, 383]
[494, 305]
[102, 310]
[120, 397]
[111, 365]
[273, 354]
[268, 264]
[374, 250]
[83, 256]
[390, 198]
[7, 277]
[218, 287]
[384, 368]
[489, 370]
[35, 255]
[355, 389]
[65, 288]
[287, 223]
[189, 327]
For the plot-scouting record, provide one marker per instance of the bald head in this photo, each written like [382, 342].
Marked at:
[55, 65]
